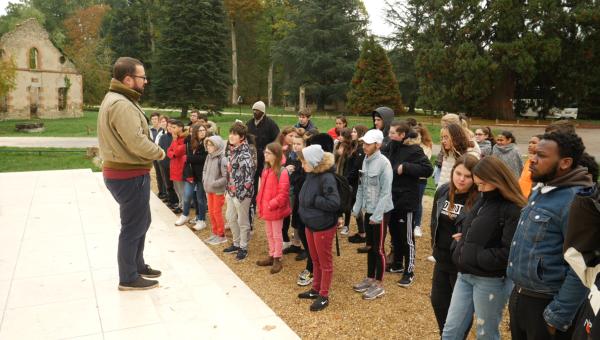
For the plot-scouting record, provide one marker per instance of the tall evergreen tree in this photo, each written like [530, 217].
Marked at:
[190, 65]
[374, 83]
[320, 50]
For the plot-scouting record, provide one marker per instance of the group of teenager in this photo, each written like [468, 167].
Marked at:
[498, 224]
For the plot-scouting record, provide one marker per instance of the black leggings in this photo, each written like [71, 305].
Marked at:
[302, 234]
[376, 240]
[285, 228]
[359, 218]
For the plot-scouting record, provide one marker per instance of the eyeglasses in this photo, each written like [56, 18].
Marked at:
[480, 134]
[143, 77]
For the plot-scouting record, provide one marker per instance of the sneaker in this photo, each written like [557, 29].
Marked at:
[231, 249]
[199, 225]
[363, 250]
[376, 290]
[139, 284]
[394, 269]
[177, 210]
[181, 220]
[311, 294]
[149, 272]
[292, 250]
[286, 245]
[406, 280]
[430, 258]
[319, 304]
[302, 256]
[210, 238]
[305, 281]
[219, 240]
[418, 231]
[345, 230]
[241, 254]
[363, 285]
[356, 238]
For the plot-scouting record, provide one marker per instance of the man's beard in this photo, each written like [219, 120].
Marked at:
[547, 177]
[139, 89]
[258, 116]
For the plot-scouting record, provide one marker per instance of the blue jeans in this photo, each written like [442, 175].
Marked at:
[133, 196]
[486, 296]
[188, 194]
[419, 211]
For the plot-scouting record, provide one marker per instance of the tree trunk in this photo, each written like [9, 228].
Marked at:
[184, 110]
[302, 99]
[150, 28]
[234, 66]
[270, 86]
[499, 103]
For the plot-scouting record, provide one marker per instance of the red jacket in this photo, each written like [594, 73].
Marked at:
[176, 152]
[273, 199]
[333, 133]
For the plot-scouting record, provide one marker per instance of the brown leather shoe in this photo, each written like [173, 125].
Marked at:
[277, 266]
[268, 261]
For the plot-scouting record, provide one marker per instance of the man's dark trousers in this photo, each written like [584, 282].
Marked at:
[133, 196]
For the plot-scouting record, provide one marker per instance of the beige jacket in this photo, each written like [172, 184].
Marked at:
[123, 134]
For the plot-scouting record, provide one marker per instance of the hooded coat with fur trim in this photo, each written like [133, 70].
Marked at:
[319, 198]
[273, 199]
[214, 173]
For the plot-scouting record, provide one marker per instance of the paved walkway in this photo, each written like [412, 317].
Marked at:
[58, 273]
[49, 142]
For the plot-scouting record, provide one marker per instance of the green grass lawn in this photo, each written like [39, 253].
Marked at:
[86, 126]
[36, 159]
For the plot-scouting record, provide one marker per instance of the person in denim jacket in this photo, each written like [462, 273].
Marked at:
[374, 200]
[547, 293]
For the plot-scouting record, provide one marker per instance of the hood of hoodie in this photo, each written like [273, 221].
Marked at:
[576, 177]
[504, 148]
[219, 144]
[387, 115]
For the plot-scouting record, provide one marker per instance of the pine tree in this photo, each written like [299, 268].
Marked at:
[374, 83]
[321, 47]
[190, 65]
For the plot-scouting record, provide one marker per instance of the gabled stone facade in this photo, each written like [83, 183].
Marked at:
[47, 84]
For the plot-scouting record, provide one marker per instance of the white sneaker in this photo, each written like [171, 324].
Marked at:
[218, 240]
[345, 230]
[431, 259]
[199, 225]
[181, 220]
[418, 231]
[286, 245]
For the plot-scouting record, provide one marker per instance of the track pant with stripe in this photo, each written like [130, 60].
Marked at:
[376, 240]
[403, 239]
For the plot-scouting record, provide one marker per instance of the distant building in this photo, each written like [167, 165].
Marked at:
[47, 83]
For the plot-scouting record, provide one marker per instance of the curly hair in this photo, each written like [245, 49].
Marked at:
[459, 139]
[569, 145]
[590, 163]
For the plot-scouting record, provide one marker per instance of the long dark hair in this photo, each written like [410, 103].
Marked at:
[360, 131]
[459, 139]
[197, 143]
[494, 171]
[469, 162]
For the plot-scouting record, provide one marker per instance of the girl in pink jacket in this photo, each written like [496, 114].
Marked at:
[273, 203]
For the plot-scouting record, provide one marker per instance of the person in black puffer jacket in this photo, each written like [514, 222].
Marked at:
[319, 202]
[481, 253]
[164, 142]
[192, 173]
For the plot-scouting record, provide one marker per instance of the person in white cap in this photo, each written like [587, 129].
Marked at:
[265, 131]
[319, 201]
[374, 200]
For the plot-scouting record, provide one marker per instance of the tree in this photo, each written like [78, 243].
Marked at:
[17, 13]
[238, 10]
[88, 51]
[190, 64]
[322, 46]
[8, 72]
[374, 83]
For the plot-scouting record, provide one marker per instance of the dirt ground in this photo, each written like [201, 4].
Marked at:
[402, 313]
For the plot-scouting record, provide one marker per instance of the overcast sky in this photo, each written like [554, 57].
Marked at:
[374, 7]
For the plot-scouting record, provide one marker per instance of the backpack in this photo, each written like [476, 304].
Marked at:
[345, 192]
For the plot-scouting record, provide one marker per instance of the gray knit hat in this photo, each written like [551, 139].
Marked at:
[313, 154]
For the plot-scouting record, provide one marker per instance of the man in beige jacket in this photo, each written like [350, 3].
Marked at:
[127, 153]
